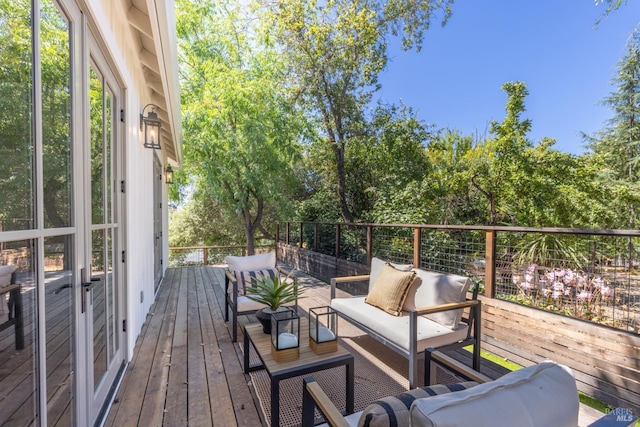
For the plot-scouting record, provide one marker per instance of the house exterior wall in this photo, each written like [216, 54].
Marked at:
[110, 18]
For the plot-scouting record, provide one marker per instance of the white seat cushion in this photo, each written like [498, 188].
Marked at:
[396, 329]
[246, 304]
[541, 395]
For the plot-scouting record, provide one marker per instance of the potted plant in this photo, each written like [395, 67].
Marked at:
[274, 293]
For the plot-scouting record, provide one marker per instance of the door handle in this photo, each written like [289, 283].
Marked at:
[62, 288]
[87, 285]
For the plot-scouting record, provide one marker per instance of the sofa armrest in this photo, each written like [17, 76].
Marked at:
[313, 396]
[346, 279]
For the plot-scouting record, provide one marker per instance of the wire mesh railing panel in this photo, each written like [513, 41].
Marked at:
[591, 277]
[294, 233]
[455, 252]
[308, 236]
[353, 243]
[327, 239]
[186, 257]
[393, 244]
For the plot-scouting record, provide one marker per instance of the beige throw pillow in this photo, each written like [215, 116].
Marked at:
[390, 289]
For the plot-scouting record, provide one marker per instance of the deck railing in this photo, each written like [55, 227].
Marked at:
[208, 255]
[584, 273]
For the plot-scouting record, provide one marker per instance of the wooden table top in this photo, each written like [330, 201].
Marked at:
[308, 358]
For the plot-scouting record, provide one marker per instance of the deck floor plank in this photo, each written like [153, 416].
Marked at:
[221, 406]
[177, 397]
[144, 374]
[244, 402]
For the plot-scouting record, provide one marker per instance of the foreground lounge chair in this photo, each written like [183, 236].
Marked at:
[541, 395]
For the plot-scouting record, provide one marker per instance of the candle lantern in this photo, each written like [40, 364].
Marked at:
[285, 335]
[323, 330]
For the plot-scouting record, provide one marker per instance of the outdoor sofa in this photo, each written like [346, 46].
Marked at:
[426, 313]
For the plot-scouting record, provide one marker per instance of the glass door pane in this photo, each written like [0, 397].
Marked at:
[18, 333]
[59, 326]
[17, 186]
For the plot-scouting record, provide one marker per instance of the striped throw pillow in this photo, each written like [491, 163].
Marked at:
[393, 411]
[249, 278]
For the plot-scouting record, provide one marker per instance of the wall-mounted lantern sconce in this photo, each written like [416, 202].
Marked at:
[151, 125]
[168, 175]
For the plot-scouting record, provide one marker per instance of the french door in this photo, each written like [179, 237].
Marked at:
[61, 285]
[102, 283]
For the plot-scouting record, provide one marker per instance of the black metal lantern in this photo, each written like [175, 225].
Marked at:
[285, 335]
[168, 175]
[323, 329]
[151, 124]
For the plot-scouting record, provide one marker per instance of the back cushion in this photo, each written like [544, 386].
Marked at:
[541, 395]
[251, 262]
[432, 288]
[390, 289]
[376, 267]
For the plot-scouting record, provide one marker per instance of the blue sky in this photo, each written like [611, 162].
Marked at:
[553, 46]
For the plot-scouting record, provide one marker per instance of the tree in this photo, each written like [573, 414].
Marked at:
[495, 161]
[336, 50]
[243, 135]
[618, 144]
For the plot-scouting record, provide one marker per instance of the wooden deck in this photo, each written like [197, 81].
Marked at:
[185, 369]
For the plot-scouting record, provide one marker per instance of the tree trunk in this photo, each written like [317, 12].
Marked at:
[342, 197]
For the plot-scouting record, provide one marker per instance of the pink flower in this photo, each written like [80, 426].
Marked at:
[606, 291]
[532, 267]
[569, 278]
[585, 296]
[526, 286]
[597, 282]
[515, 279]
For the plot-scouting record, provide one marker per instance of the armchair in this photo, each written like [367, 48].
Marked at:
[242, 270]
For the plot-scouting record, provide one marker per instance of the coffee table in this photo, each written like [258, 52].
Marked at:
[308, 362]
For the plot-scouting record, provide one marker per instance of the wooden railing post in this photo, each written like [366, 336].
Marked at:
[286, 238]
[337, 241]
[490, 265]
[417, 246]
[369, 244]
[206, 256]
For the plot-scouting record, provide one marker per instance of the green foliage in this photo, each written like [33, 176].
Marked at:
[617, 146]
[243, 136]
[336, 50]
[274, 292]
